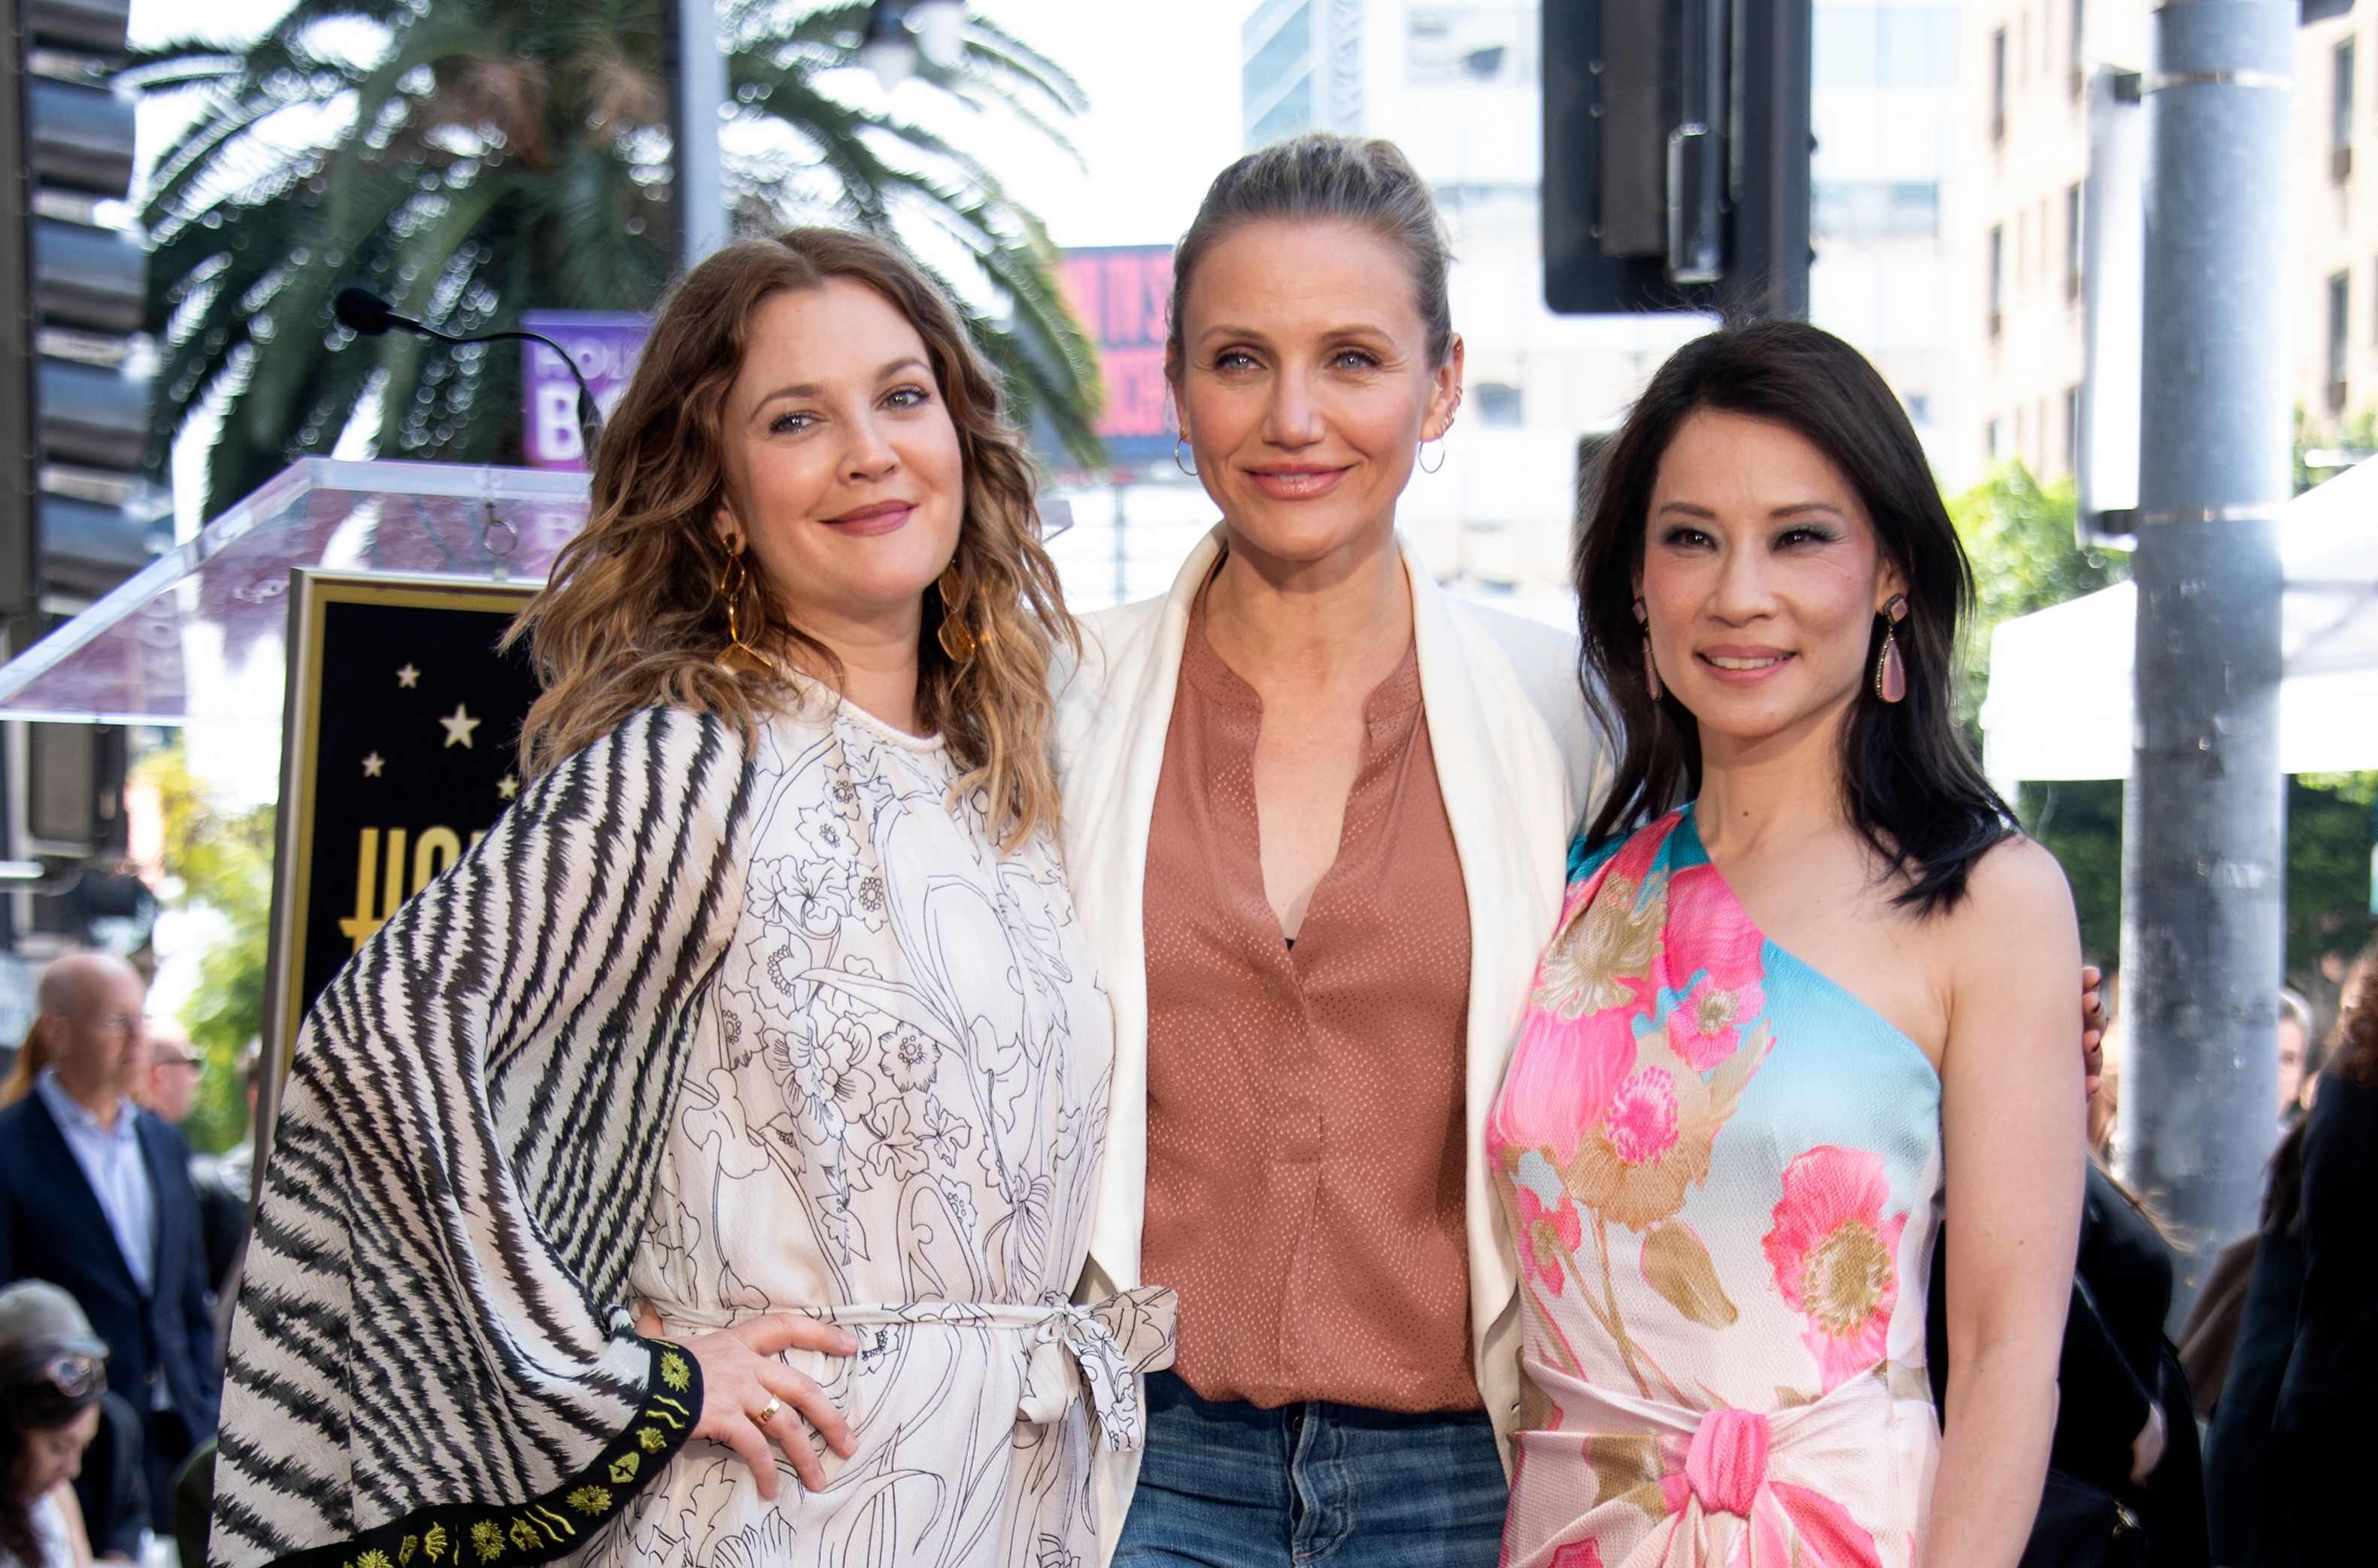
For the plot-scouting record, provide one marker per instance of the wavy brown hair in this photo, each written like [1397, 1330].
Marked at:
[633, 617]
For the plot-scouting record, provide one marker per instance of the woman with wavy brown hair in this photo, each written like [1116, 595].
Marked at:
[730, 1115]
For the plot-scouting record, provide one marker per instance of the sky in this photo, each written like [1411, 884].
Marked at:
[1163, 84]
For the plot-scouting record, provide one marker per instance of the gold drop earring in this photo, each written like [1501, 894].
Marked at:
[956, 637]
[739, 655]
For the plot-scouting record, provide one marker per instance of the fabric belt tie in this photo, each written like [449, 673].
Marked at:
[1097, 1348]
[1710, 1476]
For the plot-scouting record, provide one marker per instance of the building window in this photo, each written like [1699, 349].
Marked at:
[2340, 114]
[1499, 404]
[1874, 209]
[1911, 46]
[1998, 278]
[2340, 299]
[2078, 53]
[2072, 429]
[2074, 235]
[1920, 409]
[1276, 71]
[1997, 439]
[1998, 86]
[1465, 44]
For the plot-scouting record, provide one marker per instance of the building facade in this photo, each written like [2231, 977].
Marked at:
[2019, 228]
[1883, 106]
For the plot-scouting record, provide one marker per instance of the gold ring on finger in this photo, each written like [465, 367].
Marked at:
[767, 1412]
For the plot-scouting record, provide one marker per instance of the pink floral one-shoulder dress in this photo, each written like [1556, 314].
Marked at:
[1722, 1172]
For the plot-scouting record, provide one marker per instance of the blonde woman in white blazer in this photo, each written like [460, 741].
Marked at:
[1322, 702]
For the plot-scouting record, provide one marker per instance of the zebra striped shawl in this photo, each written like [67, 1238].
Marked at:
[432, 1363]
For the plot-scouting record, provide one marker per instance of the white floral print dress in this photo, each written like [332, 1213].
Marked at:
[891, 1118]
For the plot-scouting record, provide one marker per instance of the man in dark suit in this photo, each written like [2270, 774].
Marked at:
[95, 1196]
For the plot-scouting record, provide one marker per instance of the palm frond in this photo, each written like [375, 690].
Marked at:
[496, 156]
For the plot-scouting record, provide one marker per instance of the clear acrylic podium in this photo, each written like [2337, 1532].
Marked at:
[198, 636]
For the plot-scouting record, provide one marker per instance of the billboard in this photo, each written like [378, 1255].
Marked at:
[605, 344]
[1121, 293]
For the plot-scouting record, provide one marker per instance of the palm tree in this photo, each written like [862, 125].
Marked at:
[491, 156]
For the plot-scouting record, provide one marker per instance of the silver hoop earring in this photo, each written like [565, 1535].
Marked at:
[1423, 459]
[1188, 468]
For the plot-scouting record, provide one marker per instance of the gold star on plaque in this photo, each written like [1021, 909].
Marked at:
[373, 765]
[458, 726]
[508, 786]
[408, 677]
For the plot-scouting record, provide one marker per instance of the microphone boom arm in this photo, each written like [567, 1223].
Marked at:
[590, 414]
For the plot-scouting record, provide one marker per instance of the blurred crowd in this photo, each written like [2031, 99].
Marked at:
[2231, 1444]
[119, 1251]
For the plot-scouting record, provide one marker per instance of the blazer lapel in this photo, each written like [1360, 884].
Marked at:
[156, 1160]
[1117, 728]
[1504, 783]
[82, 1214]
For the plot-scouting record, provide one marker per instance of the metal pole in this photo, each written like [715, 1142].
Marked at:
[701, 89]
[20, 509]
[20, 559]
[2205, 837]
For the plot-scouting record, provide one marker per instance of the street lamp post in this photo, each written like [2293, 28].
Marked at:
[2203, 841]
[700, 91]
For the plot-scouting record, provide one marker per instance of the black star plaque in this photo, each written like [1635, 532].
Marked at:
[399, 751]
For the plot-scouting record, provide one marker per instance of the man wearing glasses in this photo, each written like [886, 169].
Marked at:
[95, 1196]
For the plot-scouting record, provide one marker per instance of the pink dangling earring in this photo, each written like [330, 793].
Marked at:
[1891, 669]
[1651, 665]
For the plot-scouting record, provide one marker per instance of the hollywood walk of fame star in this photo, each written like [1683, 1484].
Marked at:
[373, 765]
[459, 727]
[508, 786]
[408, 677]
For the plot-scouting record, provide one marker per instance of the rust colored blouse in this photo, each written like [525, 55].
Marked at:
[1305, 1103]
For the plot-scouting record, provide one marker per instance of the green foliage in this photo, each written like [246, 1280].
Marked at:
[2328, 867]
[485, 157]
[2357, 434]
[2021, 539]
[2079, 822]
[2361, 789]
[224, 864]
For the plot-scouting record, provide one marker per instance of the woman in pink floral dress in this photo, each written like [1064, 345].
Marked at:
[1806, 967]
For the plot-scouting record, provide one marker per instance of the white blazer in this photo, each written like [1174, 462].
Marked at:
[1516, 762]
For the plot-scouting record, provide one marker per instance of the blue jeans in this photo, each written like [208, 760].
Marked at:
[1225, 1485]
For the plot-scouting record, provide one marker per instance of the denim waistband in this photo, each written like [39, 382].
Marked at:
[1168, 1390]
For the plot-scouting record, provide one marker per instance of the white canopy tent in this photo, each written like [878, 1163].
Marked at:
[2061, 687]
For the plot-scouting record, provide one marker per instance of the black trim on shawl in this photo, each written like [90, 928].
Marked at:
[545, 1528]
[431, 1324]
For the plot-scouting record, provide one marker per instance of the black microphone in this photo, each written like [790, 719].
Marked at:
[364, 313]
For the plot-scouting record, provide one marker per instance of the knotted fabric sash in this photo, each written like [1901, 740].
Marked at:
[1098, 1349]
[1808, 1483]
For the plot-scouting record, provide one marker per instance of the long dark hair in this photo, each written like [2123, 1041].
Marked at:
[29, 1403]
[1911, 787]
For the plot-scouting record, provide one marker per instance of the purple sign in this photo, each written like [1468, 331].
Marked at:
[605, 344]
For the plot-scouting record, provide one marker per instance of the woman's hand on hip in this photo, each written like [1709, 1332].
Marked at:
[743, 1381]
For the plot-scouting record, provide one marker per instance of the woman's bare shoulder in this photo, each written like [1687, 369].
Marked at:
[2017, 909]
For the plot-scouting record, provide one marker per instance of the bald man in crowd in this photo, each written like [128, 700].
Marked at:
[95, 1196]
